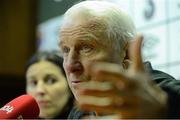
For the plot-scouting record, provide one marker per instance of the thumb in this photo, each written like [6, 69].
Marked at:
[135, 55]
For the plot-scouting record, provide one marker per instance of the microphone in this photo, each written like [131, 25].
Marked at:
[22, 107]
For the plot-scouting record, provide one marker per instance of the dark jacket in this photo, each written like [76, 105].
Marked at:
[169, 84]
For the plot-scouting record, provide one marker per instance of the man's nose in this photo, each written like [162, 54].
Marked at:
[74, 63]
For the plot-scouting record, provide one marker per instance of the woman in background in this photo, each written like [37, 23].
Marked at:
[46, 82]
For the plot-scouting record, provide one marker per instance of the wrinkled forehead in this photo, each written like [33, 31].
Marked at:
[95, 27]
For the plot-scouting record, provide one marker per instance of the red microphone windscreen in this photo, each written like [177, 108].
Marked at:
[24, 106]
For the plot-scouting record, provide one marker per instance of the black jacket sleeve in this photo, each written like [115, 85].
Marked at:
[171, 86]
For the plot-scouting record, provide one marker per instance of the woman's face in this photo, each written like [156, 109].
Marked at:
[47, 84]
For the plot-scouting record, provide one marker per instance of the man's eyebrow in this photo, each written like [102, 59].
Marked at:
[86, 36]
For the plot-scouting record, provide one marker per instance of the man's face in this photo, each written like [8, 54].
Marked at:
[81, 44]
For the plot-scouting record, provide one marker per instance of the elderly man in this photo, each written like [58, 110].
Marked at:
[105, 80]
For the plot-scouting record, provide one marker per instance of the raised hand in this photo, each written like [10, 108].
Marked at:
[119, 93]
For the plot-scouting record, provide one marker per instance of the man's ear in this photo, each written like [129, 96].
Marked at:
[126, 61]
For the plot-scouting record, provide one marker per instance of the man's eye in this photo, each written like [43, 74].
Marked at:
[65, 50]
[86, 48]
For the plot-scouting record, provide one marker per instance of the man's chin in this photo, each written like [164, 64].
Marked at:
[76, 96]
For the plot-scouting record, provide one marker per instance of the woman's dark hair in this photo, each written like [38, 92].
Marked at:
[55, 58]
[51, 56]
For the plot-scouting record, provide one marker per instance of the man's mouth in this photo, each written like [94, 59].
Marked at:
[76, 81]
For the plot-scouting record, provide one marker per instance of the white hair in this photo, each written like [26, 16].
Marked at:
[119, 26]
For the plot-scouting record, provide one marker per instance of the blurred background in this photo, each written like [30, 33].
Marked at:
[27, 26]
